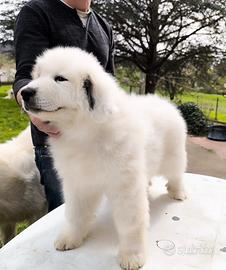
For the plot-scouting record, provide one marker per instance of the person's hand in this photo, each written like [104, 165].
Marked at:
[45, 127]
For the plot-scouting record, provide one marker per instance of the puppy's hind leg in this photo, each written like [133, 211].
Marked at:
[80, 207]
[174, 171]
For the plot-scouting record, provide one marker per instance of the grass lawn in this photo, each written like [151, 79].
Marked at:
[207, 103]
[12, 120]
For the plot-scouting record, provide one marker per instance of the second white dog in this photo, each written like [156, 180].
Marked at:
[21, 194]
[110, 143]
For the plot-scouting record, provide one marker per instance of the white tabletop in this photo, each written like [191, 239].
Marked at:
[187, 235]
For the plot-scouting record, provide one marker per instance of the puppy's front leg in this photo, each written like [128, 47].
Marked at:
[80, 206]
[131, 216]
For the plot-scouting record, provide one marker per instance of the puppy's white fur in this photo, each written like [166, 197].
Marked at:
[114, 148]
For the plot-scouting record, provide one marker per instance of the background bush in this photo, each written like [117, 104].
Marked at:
[197, 123]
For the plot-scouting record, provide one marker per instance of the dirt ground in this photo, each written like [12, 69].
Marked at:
[206, 157]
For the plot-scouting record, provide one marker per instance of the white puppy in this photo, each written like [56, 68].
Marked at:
[110, 142]
[21, 194]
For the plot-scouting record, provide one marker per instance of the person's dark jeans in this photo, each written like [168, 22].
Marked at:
[49, 177]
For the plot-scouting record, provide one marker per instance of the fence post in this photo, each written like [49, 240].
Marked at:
[216, 111]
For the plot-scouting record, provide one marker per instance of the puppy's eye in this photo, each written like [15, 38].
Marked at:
[60, 79]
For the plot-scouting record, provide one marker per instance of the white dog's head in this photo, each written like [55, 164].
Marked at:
[66, 79]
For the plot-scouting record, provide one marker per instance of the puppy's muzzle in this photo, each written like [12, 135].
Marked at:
[28, 94]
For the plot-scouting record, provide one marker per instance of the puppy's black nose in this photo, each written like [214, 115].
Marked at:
[27, 93]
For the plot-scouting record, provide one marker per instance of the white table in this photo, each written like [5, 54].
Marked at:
[187, 235]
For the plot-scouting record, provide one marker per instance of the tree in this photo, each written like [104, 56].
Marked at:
[221, 68]
[9, 10]
[219, 71]
[150, 33]
[130, 77]
[192, 70]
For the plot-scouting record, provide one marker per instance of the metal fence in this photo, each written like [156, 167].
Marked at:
[215, 109]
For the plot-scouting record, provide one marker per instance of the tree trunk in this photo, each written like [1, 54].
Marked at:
[150, 83]
[170, 89]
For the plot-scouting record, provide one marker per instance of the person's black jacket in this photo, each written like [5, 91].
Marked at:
[43, 24]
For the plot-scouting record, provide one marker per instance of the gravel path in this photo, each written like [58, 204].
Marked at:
[206, 157]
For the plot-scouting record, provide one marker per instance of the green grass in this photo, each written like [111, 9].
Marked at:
[21, 226]
[4, 89]
[12, 120]
[207, 103]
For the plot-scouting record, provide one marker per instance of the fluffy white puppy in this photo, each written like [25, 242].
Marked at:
[21, 194]
[110, 142]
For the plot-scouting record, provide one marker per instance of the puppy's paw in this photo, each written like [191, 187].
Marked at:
[66, 241]
[131, 260]
[177, 194]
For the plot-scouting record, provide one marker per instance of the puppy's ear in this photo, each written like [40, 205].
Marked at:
[88, 87]
[100, 100]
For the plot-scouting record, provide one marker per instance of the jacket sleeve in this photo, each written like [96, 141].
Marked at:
[31, 38]
[111, 65]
